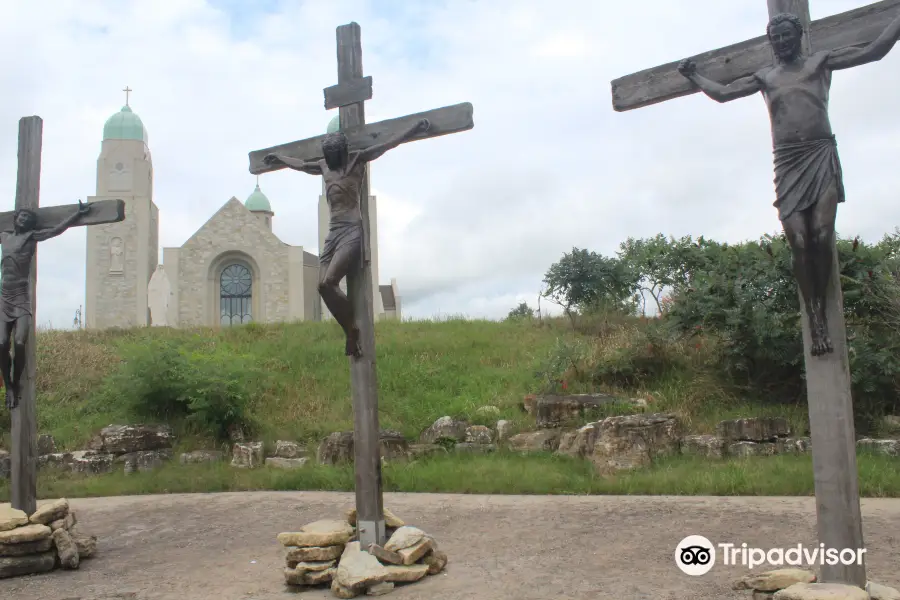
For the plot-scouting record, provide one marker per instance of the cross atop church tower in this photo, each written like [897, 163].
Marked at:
[127, 91]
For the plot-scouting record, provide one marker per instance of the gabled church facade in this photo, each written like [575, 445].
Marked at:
[233, 270]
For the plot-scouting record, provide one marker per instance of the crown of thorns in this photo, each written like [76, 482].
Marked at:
[333, 141]
[785, 18]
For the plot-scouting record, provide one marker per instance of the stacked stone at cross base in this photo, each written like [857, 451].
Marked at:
[327, 553]
[42, 542]
[800, 584]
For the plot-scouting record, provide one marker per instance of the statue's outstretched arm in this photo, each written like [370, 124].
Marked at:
[845, 58]
[304, 166]
[739, 88]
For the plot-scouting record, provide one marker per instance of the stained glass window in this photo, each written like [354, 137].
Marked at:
[235, 295]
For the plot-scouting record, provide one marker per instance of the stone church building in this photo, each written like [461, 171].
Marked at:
[233, 270]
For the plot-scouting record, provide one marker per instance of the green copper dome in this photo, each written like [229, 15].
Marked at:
[334, 125]
[125, 125]
[257, 201]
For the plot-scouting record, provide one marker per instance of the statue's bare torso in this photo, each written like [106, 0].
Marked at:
[796, 95]
[342, 189]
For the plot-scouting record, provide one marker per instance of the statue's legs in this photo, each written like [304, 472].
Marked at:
[330, 276]
[6, 329]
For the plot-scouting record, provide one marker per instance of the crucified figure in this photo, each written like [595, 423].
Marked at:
[343, 172]
[16, 252]
[808, 177]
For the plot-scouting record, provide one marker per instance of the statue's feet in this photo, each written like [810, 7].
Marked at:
[11, 400]
[821, 341]
[353, 347]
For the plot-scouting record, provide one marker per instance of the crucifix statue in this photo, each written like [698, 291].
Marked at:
[344, 172]
[341, 158]
[791, 66]
[20, 232]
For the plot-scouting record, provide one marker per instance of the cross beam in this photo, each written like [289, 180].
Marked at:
[24, 454]
[855, 27]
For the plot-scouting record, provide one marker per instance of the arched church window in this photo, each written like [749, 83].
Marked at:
[235, 295]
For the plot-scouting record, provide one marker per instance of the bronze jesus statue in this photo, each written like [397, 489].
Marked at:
[808, 178]
[16, 252]
[343, 172]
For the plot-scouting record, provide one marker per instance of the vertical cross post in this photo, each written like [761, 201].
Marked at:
[830, 406]
[364, 383]
[23, 470]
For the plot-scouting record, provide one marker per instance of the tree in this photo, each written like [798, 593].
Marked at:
[662, 264]
[522, 311]
[584, 280]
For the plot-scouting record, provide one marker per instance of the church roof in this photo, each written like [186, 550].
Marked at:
[125, 125]
[335, 124]
[257, 201]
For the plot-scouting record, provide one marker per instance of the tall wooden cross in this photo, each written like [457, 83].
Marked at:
[24, 453]
[828, 376]
[349, 95]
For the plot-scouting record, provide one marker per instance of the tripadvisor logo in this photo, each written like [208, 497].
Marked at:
[695, 555]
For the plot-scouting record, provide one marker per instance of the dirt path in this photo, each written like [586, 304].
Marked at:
[223, 547]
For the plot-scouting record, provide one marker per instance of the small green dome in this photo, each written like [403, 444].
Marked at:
[257, 201]
[125, 125]
[334, 125]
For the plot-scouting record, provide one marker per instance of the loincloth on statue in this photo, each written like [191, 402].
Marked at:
[803, 173]
[341, 233]
[14, 301]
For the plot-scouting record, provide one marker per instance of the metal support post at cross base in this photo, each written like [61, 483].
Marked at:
[18, 304]
[792, 65]
[349, 95]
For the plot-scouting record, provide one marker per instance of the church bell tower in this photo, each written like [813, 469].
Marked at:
[121, 257]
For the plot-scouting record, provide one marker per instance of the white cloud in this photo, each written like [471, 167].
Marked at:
[469, 222]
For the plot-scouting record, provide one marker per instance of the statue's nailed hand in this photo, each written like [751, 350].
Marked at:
[423, 125]
[687, 67]
[271, 159]
[84, 207]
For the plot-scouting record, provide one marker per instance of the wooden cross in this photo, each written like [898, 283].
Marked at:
[127, 91]
[827, 377]
[349, 95]
[24, 452]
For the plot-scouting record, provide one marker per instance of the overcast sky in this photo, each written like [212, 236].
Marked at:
[468, 223]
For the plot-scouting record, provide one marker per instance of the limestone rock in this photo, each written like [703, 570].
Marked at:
[55, 460]
[326, 532]
[358, 569]
[414, 553]
[882, 592]
[319, 577]
[342, 592]
[286, 463]
[91, 462]
[470, 448]
[445, 428]
[14, 566]
[744, 449]
[404, 537]
[10, 517]
[479, 434]
[47, 512]
[707, 446]
[821, 591]
[385, 556]
[26, 548]
[558, 411]
[286, 449]
[390, 519]
[310, 573]
[417, 451]
[201, 456]
[67, 522]
[543, 440]
[504, 430]
[754, 429]
[247, 455]
[123, 439]
[46, 444]
[578, 443]
[380, 589]
[436, 561]
[883, 447]
[757, 595]
[793, 445]
[66, 549]
[337, 448]
[633, 441]
[392, 445]
[772, 581]
[406, 574]
[144, 460]
[28, 533]
[86, 544]
[313, 554]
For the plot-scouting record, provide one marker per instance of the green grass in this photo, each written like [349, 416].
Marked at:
[500, 473]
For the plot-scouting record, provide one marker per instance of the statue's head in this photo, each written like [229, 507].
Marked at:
[25, 220]
[785, 32]
[334, 146]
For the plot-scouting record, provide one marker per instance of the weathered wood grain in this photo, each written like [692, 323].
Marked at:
[102, 211]
[855, 27]
[344, 94]
[445, 120]
[24, 451]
